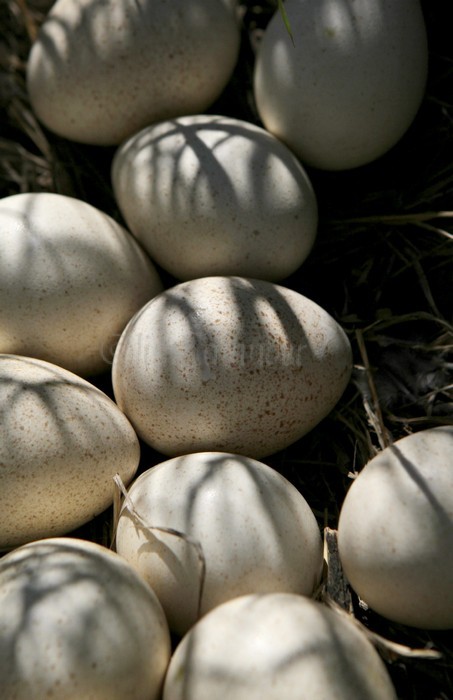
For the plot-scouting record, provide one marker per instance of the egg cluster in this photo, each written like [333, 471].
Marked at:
[216, 371]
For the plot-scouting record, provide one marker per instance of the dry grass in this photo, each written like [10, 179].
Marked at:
[382, 265]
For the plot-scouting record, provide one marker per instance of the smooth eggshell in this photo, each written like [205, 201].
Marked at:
[230, 364]
[395, 532]
[352, 83]
[213, 195]
[70, 279]
[275, 646]
[77, 622]
[62, 441]
[256, 531]
[101, 70]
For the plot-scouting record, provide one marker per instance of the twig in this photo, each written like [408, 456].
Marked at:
[379, 424]
[147, 527]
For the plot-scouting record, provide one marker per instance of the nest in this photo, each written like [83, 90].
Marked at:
[381, 265]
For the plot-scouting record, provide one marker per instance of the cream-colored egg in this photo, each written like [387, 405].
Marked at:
[62, 441]
[255, 529]
[230, 364]
[100, 71]
[395, 532]
[275, 646]
[78, 623]
[352, 83]
[213, 195]
[70, 279]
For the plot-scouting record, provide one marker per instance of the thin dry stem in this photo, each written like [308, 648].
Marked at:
[374, 412]
[148, 527]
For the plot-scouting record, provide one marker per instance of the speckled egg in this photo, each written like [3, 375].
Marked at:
[231, 364]
[255, 531]
[349, 85]
[213, 195]
[78, 623]
[62, 441]
[276, 646]
[70, 279]
[100, 70]
[395, 532]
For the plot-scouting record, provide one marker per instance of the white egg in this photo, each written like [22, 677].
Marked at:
[100, 71]
[62, 441]
[213, 195]
[255, 529]
[78, 623]
[395, 532]
[70, 279]
[273, 647]
[352, 83]
[230, 364]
